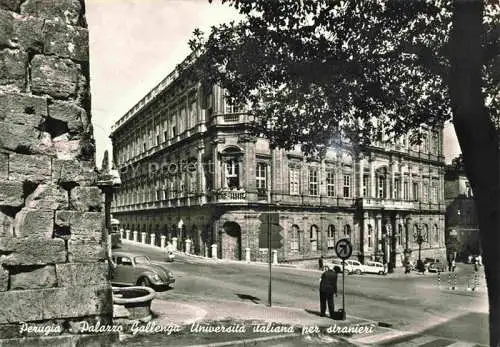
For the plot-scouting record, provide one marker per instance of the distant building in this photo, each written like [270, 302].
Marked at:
[185, 154]
[462, 230]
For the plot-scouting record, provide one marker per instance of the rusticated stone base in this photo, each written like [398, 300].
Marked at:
[94, 340]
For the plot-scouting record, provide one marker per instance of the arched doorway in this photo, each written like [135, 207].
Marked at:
[231, 241]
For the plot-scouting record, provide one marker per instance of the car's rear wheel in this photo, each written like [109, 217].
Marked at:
[381, 272]
[358, 272]
[144, 282]
[346, 272]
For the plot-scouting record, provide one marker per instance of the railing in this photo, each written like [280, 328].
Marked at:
[231, 118]
[388, 204]
[230, 195]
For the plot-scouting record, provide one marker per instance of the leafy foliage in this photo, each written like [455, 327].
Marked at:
[310, 70]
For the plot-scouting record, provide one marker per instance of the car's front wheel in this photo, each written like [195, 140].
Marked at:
[381, 272]
[144, 282]
[358, 272]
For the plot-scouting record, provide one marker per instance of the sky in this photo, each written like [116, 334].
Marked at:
[134, 44]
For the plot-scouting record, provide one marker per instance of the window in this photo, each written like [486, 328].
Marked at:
[294, 181]
[397, 189]
[174, 131]
[347, 186]
[294, 239]
[405, 190]
[399, 235]
[370, 235]
[229, 106]
[314, 238]
[425, 192]
[434, 192]
[416, 195]
[330, 183]
[124, 261]
[436, 234]
[232, 174]
[313, 181]
[347, 231]
[182, 185]
[381, 187]
[192, 114]
[330, 241]
[260, 176]
[192, 182]
[365, 185]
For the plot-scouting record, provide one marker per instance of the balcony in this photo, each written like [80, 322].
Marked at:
[230, 195]
[387, 204]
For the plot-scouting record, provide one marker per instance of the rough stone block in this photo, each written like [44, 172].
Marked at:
[4, 279]
[54, 303]
[6, 28]
[21, 306]
[28, 34]
[22, 109]
[4, 165]
[11, 193]
[32, 168]
[86, 199]
[6, 224]
[65, 148]
[20, 138]
[34, 224]
[31, 251]
[75, 117]
[29, 277]
[65, 11]
[70, 172]
[82, 274]
[66, 41]
[54, 76]
[48, 197]
[85, 252]
[11, 5]
[13, 68]
[70, 302]
[83, 226]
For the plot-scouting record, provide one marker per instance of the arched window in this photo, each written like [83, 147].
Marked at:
[399, 235]
[426, 233]
[331, 237]
[347, 231]
[370, 235]
[295, 239]
[436, 234]
[313, 237]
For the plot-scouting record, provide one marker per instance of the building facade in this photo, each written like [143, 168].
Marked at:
[462, 228]
[185, 154]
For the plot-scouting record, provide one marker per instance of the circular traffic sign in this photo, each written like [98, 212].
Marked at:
[343, 248]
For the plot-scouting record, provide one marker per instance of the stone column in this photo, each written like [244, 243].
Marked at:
[174, 243]
[135, 235]
[372, 179]
[408, 233]
[379, 232]
[152, 239]
[143, 237]
[247, 255]
[275, 256]
[127, 234]
[360, 175]
[162, 241]
[214, 251]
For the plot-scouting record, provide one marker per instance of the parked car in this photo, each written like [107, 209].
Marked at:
[135, 269]
[354, 266]
[170, 256]
[436, 266]
[374, 267]
[351, 266]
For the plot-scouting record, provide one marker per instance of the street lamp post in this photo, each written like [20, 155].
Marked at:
[420, 238]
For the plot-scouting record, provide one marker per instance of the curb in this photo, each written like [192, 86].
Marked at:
[248, 341]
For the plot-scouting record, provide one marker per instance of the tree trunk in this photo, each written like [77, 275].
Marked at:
[478, 140]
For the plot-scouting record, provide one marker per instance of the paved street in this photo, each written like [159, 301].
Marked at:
[412, 309]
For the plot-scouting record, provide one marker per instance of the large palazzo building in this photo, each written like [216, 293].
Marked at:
[191, 170]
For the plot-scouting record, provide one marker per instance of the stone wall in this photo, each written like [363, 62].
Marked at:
[53, 269]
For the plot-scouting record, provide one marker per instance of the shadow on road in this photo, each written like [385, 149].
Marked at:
[251, 298]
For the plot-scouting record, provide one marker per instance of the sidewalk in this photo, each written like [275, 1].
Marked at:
[189, 324]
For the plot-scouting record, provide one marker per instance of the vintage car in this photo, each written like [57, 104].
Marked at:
[136, 269]
[374, 267]
[434, 265]
[350, 266]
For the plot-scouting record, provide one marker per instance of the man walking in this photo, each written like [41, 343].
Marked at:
[327, 288]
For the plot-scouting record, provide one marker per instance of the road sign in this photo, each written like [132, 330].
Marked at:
[343, 248]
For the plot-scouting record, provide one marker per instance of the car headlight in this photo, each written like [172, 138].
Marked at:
[156, 277]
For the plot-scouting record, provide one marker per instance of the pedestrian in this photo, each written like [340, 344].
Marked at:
[479, 260]
[320, 263]
[327, 289]
[453, 265]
